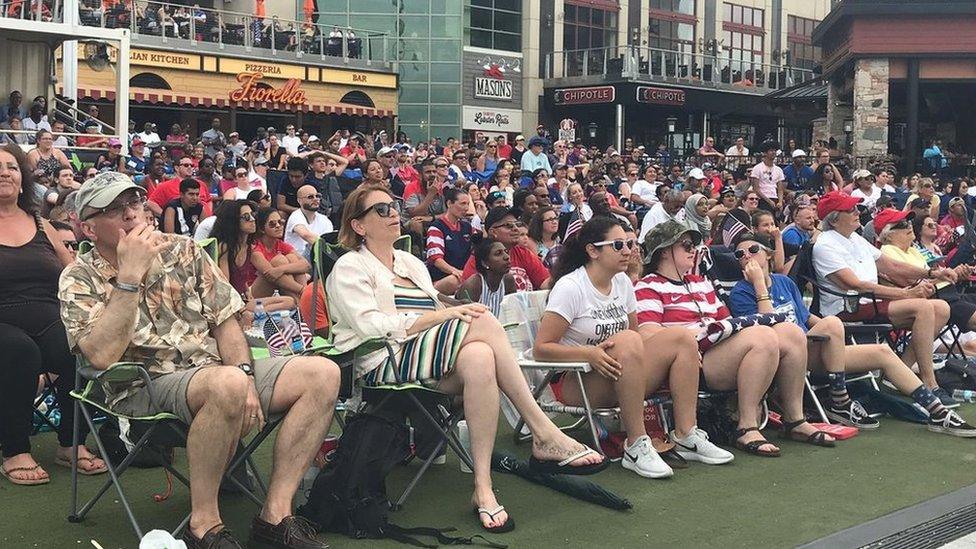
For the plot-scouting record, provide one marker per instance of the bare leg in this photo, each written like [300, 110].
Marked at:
[447, 285]
[286, 284]
[745, 362]
[474, 377]
[216, 398]
[791, 374]
[306, 393]
[917, 314]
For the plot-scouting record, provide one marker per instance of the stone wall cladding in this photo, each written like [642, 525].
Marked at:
[871, 107]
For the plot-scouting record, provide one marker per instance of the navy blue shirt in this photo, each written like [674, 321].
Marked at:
[452, 244]
[798, 180]
[784, 296]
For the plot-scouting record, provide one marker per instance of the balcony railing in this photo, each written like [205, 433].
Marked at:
[656, 64]
[48, 11]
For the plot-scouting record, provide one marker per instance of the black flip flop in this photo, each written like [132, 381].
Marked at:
[754, 447]
[503, 529]
[816, 438]
[563, 467]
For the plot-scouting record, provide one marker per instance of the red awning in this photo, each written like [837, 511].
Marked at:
[167, 97]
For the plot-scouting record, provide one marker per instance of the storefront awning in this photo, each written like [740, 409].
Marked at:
[167, 97]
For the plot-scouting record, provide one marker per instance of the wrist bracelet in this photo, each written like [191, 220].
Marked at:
[762, 298]
[131, 288]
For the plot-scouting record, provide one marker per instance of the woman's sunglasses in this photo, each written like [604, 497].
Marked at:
[687, 245]
[618, 245]
[248, 217]
[753, 250]
[901, 226]
[382, 209]
[274, 223]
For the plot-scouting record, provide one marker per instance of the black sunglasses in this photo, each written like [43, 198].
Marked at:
[382, 209]
[71, 244]
[753, 250]
[687, 245]
[901, 225]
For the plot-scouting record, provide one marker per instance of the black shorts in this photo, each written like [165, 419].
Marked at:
[962, 306]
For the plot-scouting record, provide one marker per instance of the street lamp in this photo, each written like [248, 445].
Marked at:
[592, 127]
[672, 123]
[848, 131]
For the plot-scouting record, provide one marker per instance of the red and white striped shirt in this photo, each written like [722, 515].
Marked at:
[669, 303]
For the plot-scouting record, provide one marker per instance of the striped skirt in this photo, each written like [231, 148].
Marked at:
[425, 359]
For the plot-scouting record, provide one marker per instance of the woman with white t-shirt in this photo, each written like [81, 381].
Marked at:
[591, 316]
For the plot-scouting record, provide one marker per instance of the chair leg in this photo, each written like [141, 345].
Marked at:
[535, 396]
[75, 435]
[816, 402]
[420, 473]
[589, 414]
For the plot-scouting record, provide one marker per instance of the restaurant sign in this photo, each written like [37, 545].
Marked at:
[660, 96]
[585, 96]
[252, 90]
[490, 119]
[493, 88]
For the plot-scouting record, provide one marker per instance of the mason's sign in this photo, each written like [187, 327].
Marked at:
[289, 94]
[493, 88]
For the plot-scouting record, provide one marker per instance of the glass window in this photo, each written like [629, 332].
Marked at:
[445, 115]
[445, 50]
[450, 93]
[415, 113]
[337, 6]
[445, 132]
[414, 26]
[585, 28]
[414, 72]
[445, 27]
[445, 72]
[413, 93]
[369, 6]
[447, 7]
[415, 6]
[493, 24]
[799, 43]
[378, 23]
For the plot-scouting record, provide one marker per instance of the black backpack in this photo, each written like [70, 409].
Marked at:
[349, 496]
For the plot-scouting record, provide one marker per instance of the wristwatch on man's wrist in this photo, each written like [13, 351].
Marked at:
[246, 368]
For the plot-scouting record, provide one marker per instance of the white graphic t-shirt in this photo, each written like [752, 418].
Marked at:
[593, 317]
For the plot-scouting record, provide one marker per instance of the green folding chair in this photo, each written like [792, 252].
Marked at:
[399, 396]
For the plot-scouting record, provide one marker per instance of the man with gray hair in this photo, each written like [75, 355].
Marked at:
[671, 207]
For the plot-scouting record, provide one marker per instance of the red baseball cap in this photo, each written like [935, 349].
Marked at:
[836, 201]
[888, 216]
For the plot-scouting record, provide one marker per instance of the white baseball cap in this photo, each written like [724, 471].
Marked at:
[696, 173]
[798, 153]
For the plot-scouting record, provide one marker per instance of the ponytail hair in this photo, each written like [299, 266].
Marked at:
[573, 254]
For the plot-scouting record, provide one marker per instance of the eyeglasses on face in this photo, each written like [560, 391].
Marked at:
[752, 199]
[240, 174]
[70, 244]
[902, 225]
[931, 225]
[687, 245]
[314, 196]
[511, 225]
[382, 209]
[439, 166]
[550, 219]
[186, 164]
[618, 244]
[274, 223]
[753, 250]
[119, 205]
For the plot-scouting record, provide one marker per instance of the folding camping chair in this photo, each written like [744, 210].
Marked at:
[439, 412]
[44, 417]
[521, 313]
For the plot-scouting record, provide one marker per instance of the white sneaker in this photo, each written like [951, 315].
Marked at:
[697, 447]
[641, 458]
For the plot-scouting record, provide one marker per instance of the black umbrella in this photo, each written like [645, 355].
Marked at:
[571, 485]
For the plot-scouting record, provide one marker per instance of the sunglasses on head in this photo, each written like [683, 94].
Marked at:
[382, 209]
[618, 244]
[753, 250]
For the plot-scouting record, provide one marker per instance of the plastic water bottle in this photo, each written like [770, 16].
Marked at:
[964, 395]
[259, 315]
[290, 329]
[465, 439]
[305, 486]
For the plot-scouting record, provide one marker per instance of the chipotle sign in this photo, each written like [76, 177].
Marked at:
[660, 96]
[585, 96]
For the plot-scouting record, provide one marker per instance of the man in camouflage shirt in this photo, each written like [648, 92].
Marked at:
[143, 296]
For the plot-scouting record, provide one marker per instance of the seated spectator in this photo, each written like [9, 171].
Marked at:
[205, 227]
[427, 203]
[803, 229]
[846, 263]
[305, 225]
[45, 157]
[591, 316]
[170, 189]
[32, 255]
[672, 207]
[234, 228]
[279, 267]
[112, 159]
[14, 123]
[544, 231]
[832, 357]
[242, 186]
[865, 188]
[696, 214]
[181, 215]
[798, 175]
[448, 244]
[746, 361]
[925, 190]
[478, 359]
[642, 191]
[527, 269]
[494, 279]
[503, 180]
[209, 381]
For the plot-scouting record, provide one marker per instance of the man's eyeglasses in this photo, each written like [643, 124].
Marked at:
[618, 245]
[382, 209]
[137, 202]
[439, 166]
[753, 250]
[314, 196]
[186, 164]
[248, 217]
[687, 245]
[752, 199]
[511, 225]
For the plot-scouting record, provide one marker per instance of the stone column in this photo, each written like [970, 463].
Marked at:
[870, 107]
[838, 110]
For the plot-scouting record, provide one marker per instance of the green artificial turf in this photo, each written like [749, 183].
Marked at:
[782, 502]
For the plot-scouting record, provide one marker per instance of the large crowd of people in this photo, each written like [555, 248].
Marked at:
[618, 237]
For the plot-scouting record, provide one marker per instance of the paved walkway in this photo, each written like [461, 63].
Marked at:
[965, 542]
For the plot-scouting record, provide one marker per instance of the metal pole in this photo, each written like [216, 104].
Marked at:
[122, 92]
[620, 127]
[911, 126]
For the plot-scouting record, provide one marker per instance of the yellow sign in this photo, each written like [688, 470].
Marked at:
[166, 59]
[270, 70]
[289, 94]
[357, 78]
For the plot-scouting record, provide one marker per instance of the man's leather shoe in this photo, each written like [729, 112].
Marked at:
[217, 537]
[292, 532]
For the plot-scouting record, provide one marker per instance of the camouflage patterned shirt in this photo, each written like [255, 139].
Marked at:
[184, 297]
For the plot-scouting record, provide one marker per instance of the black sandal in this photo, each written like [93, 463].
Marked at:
[755, 446]
[508, 526]
[816, 438]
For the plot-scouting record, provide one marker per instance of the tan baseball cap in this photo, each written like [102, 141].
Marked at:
[101, 190]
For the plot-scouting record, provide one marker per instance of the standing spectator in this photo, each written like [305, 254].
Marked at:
[176, 140]
[449, 242]
[672, 207]
[767, 179]
[739, 148]
[798, 175]
[488, 162]
[291, 141]
[181, 215]
[14, 107]
[149, 135]
[324, 169]
[305, 225]
[205, 174]
[213, 139]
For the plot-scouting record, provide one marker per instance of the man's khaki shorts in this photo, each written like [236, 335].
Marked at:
[170, 390]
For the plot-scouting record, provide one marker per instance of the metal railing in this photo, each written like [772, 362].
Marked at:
[75, 118]
[657, 64]
[48, 11]
[228, 29]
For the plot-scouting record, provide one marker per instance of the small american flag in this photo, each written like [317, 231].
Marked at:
[575, 224]
[279, 334]
[731, 227]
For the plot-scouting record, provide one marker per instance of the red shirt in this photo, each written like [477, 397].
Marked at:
[528, 270]
[170, 189]
[505, 151]
[669, 303]
[280, 248]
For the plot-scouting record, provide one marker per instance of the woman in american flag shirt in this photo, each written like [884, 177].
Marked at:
[747, 361]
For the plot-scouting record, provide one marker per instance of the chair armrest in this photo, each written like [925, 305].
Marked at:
[867, 327]
[526, 361]
[120, 372]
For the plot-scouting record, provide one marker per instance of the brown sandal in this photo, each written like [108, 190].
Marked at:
[90, 470]
[816, 438]
[23, 481]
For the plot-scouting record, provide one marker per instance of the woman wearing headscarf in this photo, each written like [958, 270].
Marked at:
[696, 214]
